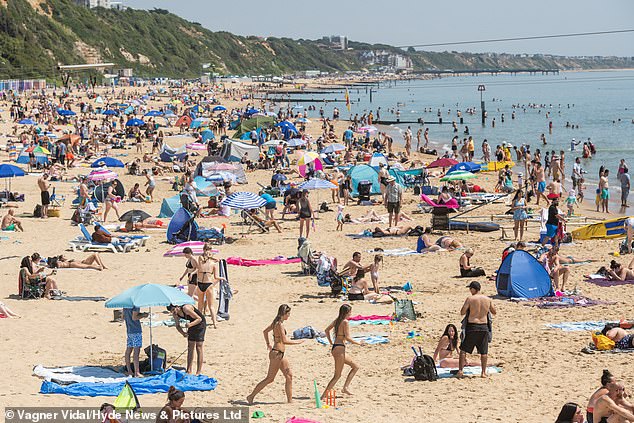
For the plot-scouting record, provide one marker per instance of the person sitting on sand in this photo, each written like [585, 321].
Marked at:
[424, 244]
[341, 331]
[621, 338]
[570, 413]
[448, 243]
[606, 378]
[35, 274]
[612, 407]
[170, 411]
[276, 354]
[93, 261]
[391, 231]
[466, 270]
[619, 273]
[10, 222]
[359, 290]
[135, 193]
[6, 311]
[447, 344]
[555, 269]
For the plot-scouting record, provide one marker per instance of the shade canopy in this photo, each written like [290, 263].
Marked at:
[10, 171]
[317, 183]
[132, 215]
[149, 295]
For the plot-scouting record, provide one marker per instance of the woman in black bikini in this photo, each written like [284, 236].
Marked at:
[276, 354]
[190, 271]
[196, 326]
[305, 214]
[207, 278]
[338, 351]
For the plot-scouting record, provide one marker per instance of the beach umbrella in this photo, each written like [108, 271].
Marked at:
[135, 122]
[251, 112]
[63, 112]
[38, 149]
[302, 120]
[333, 148]
[221, 166]
[107, 161]
[154, 113]
[273, 143]
[129, 110]
[296, 142]
[196, 146]
[287, 128]
[367, 128]
[149, 295]
[7, 172]
[198, 122]
[317, 183]
[109, 112]
[99, 100]
[444, 162]
[458, 175]
[219, 109]
[27, 122]
[279, 177]
[101, 175]
[207, 135]
[307, 157]
[134, 215]
[244, 201]
[196, 247]
[70, 139]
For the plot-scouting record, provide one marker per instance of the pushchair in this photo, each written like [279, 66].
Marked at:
[364, 188]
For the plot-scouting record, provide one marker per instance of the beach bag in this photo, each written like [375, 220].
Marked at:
[424, 367]
[306, 332]
[404, 309]
[37, 212]
[602, 342]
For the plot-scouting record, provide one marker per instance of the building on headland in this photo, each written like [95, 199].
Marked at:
[386, 60]
[106, 4]
[336, 42]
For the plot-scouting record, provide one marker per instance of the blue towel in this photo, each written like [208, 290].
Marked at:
[147, 385]
[368, 322]
[578, 326]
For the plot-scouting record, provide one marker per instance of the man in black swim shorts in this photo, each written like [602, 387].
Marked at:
[476, 327]
[44, 186]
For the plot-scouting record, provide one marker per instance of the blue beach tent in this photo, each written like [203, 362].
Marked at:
[521, 276]
[182, 227]
[364, 173]
[169, 206]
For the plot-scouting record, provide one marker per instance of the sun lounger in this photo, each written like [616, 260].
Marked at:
[84, 242]
[139, 239]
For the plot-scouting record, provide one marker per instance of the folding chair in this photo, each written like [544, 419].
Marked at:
[28, 289]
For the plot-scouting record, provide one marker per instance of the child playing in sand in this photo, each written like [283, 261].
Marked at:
[571, 201]
[374, 272]
[340, 217]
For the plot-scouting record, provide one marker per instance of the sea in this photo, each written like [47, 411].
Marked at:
[596, 105]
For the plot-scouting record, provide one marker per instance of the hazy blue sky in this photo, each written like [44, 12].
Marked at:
[408, 22]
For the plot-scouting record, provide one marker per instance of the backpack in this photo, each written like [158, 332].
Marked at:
[424, 367]
[37, 212]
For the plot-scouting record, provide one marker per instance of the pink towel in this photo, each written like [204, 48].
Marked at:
[300, 420]
[239, 261]
[451, 204]
[373, 317]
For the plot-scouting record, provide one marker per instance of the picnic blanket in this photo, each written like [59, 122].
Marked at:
[578, 326]
[561, 302]
[366, 339]
[79, 374]
[146, 385]
[239, 261]
[78, 298]
[445, 372]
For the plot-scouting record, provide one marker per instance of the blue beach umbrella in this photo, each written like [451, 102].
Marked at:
[219, 109]
[110, 112]
[207, 135]
[149, 295]
[10, 171]
[135, 122]
[63, 112]
[27, 122]
[107, 161]
[154, 113]
[317, 183]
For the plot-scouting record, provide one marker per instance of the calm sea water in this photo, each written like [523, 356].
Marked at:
[601, 103]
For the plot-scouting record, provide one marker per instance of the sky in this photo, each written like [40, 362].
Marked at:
[409, 22]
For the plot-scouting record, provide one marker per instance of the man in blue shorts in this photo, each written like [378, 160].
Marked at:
[552, 224]
[135, 339]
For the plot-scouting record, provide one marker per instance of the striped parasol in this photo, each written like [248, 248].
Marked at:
[103, 174]
[244, 201]
[317, 183]
[196, 247]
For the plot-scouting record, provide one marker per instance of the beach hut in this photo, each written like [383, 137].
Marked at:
[234, 151]
[169, 206]
[364, 173]
[521, 276]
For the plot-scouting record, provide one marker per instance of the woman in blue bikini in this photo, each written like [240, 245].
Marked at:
[277, 361]
[338, 351]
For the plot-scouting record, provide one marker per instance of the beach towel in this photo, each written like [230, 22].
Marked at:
[397, 252]
[78, 298]
[592, 349]
[77, 374]
[578, 326]
[467, 371]
[361, 235]
[239, 261]
[147, 385]
[562, 302]
[300, 420]
[371, 317]
[601, 280]
[366, 339]
[369, 322]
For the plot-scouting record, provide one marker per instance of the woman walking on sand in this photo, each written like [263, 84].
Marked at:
[338, 351]
[276, 354]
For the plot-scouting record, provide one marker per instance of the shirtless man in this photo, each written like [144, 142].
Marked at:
[604, 191]
[478, 307]
[10, 223]
[44, 185]
[353, 266]
[83, 189]
[540, 179]
[554, 189]
[612, 407]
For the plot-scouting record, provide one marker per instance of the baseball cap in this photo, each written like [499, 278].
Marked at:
[475, 285]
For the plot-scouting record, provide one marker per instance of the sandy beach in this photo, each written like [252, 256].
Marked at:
[541, 368]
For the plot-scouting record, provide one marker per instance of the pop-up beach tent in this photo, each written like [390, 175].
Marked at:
[234, 151]
[169, 206]
[521, 276]
[364, 173]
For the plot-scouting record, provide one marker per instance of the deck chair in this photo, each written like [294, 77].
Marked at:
[57, 200]
[28, 289]
[84, 242]
[252, 221]
[140, 240]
